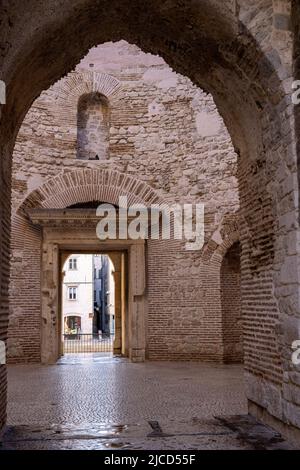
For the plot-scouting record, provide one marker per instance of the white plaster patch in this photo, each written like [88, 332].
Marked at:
[217, 238]
[2, 353]
[34, 182]
[163, 78]
[168, 83]
[117, 56]
[2, 92]
[207, 124]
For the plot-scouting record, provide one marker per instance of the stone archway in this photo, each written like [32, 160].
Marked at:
[213, 257]
[217, 46]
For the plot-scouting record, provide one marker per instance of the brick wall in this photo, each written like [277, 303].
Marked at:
[25, 309]
[231, 305]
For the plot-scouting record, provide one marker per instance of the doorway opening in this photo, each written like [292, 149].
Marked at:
[232, 325]
[92, 303]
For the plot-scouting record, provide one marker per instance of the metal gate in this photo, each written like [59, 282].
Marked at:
[87, 343]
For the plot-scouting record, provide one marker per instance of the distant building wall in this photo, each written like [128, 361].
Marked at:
[80, 279]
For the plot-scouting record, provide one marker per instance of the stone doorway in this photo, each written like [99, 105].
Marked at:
[69, 231]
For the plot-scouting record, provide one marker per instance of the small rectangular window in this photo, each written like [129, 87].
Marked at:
[72, 264]
[72, 293]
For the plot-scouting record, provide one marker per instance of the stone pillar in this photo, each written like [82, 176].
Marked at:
[117, 262]
[124, 319]
[61, 325]
[137, 284]
[5, 224]
[50, 304]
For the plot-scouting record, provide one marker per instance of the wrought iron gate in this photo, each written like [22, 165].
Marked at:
[87, 343]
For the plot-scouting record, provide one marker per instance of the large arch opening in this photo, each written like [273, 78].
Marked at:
[219, 53]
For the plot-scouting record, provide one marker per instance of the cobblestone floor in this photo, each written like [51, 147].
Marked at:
[96, 402]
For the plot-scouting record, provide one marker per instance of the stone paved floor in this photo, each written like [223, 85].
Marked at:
[93, 402]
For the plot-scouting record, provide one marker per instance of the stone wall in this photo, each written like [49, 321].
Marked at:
[165, 132]
[242, 54]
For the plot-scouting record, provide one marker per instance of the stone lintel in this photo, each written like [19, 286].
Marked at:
[70, 217]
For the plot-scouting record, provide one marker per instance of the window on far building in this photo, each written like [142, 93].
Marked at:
[72, 293]
[72, 264]
[95, 296]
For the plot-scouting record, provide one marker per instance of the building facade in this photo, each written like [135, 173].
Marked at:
[104, 296]
[77, 294]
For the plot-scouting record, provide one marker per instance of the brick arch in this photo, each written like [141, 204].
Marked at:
[69, 90]
[63, 190]
[212, 257]
[85, 185]
[78, 83]
[221, 240]
[221, 250]
[216, 248]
